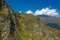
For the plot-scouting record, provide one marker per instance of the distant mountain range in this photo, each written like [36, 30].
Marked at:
[50, 20]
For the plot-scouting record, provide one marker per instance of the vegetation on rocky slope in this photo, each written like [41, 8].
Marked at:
[32, 28]
[20, 26]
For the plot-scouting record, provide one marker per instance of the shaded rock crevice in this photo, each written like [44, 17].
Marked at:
[8, 21]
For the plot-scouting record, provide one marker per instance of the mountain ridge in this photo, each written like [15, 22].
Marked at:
[21, 26]
[50, 20]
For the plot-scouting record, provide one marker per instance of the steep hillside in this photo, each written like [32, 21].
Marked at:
[7, 21]
[16, 26]
[32, 28]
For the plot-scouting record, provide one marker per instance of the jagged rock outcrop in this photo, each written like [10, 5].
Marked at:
[7, 21]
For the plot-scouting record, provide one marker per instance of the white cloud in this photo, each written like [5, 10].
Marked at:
[29, 12]
[46, 11]
[20, 12]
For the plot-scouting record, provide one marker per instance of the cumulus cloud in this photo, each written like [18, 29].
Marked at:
[20, 12]
[29, 12]
[47, 11]
[44, 11]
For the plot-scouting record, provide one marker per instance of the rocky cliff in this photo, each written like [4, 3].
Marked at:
[15, 26]
[7, 21]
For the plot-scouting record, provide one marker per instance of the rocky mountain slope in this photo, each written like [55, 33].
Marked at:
[15, 26]
[7, 21]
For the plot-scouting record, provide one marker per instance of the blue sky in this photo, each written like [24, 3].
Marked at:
[24, 5]
[37, 6]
